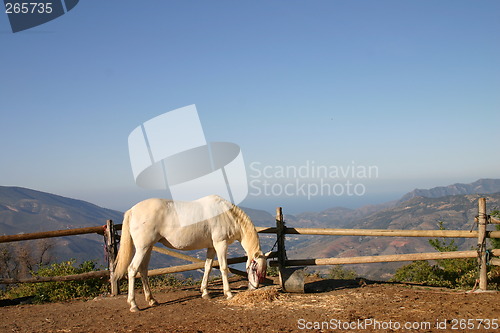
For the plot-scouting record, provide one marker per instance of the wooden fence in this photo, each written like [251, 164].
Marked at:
[109, 231]
[481, 253]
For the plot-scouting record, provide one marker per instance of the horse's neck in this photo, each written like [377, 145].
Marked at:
[250, 240]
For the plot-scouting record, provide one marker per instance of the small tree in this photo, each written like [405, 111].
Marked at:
[18, 260]
[494, 273]
[495, 242]
[452, 273]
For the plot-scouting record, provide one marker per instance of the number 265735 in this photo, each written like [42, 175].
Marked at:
[28, 7]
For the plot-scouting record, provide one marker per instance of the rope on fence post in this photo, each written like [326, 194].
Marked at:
[112, 250]
[481, 244]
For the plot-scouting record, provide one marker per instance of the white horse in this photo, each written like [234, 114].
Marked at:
[183, 226]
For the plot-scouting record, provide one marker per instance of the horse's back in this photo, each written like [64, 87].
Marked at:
[183, 225]
[148, 206]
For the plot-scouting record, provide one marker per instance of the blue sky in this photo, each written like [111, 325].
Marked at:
[411, 87]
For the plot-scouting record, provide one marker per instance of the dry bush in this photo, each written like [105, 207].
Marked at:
[18, 260]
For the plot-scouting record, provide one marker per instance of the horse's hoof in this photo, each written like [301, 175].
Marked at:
[229, 296]
[153, 302]
[134, 309]
[206, 296]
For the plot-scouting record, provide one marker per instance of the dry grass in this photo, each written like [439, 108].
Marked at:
[267, 294]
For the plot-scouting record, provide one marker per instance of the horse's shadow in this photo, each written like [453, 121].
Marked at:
[179, 300]
[17, 301]
[320, 286]
[215, 292]
[170, 302]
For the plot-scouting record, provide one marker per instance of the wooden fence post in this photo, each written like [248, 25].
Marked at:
[292, 278]
[280, 235]
[481, 244]
[112, 250]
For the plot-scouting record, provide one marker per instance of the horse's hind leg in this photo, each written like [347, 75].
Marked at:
[143, 270]
[140, 253]
[206, 273]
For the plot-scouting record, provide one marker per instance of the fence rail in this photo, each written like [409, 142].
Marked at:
[380, 232]
[384, 258]
[481, 234]
[75, 277]
[50, 234]
[110, 234]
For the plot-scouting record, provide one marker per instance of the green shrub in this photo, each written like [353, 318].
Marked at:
[460, 273]
[340, 273]
[417, 271]
[494, 272]
[60, 291]
[272, 271]
[495, 242]
[452, 273]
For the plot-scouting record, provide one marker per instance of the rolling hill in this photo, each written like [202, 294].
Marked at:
[455, 211]
[24, 210]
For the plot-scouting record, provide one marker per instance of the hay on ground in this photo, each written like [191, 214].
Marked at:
[252, 297]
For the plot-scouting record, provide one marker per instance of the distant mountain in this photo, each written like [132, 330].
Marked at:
[24, 210]
[484, 186]
[455, 205]
[457, 212]
[340, 217]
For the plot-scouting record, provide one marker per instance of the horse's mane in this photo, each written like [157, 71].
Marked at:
[249, 237]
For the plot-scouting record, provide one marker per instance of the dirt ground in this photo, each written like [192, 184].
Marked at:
[328, 306]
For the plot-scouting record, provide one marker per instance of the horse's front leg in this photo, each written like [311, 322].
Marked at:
[206, 273]
[221, 248]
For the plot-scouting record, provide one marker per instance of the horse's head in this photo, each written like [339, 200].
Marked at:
[256, 269]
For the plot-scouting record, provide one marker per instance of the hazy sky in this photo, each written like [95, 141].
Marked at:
[409, 87]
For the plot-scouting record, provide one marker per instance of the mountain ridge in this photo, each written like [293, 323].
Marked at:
[26, 210]
[484, 185]
[456, 212]
[345, 217]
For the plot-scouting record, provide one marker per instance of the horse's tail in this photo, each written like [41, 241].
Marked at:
[126, 250]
